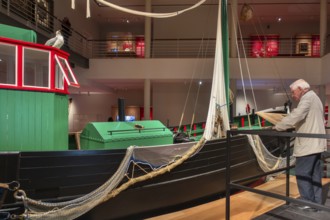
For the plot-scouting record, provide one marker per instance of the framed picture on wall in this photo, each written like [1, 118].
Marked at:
[303, 48]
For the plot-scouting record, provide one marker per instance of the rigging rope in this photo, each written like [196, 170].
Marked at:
[266, 160]
[195, 107]
[200, 54]
[240, 66]
[284, 87]
[202, 70]
[249, 74]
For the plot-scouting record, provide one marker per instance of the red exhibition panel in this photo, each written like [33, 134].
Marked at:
[139, 47]
[315, 45]
[264, 46]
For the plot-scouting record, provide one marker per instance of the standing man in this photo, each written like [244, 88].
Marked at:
[66, 30]
[307, 118]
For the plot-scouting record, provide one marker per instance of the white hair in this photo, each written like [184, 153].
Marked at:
[300, 83]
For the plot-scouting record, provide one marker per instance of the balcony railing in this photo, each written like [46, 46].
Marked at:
[37, 15]
[205, 48]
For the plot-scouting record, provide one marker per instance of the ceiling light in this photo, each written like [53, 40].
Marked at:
[279, 19]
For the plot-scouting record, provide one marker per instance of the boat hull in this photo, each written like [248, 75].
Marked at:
[54, 176]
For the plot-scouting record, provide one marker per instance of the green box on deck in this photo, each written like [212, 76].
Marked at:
[120, 135]
[18, 33]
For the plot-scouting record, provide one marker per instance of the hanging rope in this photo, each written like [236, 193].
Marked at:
[149, 14]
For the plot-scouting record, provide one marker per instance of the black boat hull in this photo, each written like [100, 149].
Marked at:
[54, 176]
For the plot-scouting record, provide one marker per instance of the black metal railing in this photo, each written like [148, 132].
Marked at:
[38, 16]
[235, 184]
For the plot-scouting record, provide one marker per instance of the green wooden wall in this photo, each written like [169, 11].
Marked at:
[33, 121]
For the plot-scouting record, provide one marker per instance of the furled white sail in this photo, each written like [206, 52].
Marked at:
[217, 122]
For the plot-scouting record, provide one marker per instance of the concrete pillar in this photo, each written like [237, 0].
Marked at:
[147, 89]
[147, 31]
[147, 49]
[323, 25]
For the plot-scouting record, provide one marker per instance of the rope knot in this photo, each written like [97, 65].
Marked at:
[20, 195]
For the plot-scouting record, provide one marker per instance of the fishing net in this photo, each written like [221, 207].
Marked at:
[160, 159]
[266, 160]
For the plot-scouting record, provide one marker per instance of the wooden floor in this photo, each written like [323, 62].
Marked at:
[244, 205]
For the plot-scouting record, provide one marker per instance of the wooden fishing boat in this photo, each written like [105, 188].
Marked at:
[45, 170]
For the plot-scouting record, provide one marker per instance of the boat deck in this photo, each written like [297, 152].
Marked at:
[248, 205]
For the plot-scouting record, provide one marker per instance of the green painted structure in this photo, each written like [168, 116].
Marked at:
[18, 33]
[34, 81]
[33, 121]
[120, 135]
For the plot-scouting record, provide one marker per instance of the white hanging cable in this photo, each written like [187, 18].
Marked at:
[73, 4]
[149, 14]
